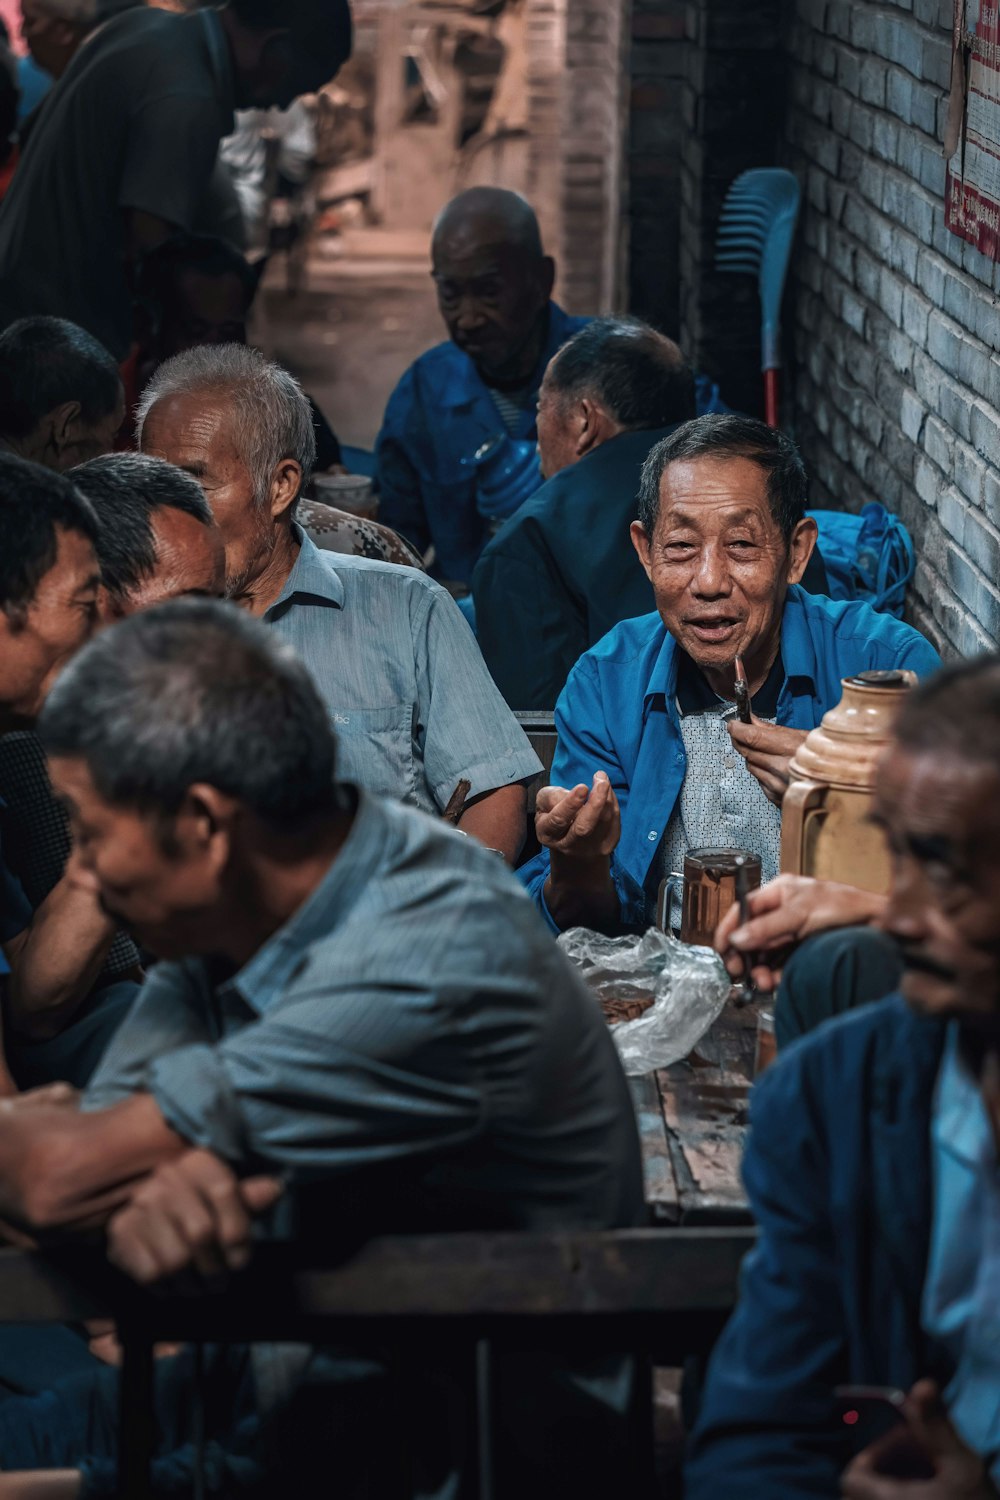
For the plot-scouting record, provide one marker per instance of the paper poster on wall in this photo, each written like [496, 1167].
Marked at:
[972, 137]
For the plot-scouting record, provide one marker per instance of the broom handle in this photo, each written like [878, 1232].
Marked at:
[771, 397]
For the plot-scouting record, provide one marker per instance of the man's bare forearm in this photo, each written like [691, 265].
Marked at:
[56, 960]
[499, 819]
[61, 1168]
[581, 893]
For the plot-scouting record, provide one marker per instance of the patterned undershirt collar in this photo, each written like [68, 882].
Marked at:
[695, 696]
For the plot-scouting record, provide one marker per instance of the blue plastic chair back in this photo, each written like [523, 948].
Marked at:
[755, 236]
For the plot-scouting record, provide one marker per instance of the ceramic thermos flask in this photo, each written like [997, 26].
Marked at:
[825, 830]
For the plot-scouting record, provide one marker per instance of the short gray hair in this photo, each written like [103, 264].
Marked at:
[273, 419]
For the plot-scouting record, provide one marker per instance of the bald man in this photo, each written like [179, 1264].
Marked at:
[494, 287]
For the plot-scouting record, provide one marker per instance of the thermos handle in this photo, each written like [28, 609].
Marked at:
[801, 798]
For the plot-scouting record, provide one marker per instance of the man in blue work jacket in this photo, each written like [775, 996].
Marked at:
[456, 452]
[873, 1170]
[651, 761]
[494, 288]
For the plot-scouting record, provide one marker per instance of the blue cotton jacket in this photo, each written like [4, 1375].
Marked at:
[440, 413]
[838, 1172]
[618, 714]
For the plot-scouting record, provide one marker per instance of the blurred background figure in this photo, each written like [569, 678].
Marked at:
[168, 86]
[197, 289]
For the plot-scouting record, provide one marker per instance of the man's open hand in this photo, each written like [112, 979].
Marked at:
[959, 1474]
[783, 913]
[584, 823]
[767, 750]
[191, 1213]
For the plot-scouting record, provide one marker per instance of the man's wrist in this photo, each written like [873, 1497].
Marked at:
[579, 891]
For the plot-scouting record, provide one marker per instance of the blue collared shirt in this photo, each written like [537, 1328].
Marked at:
[440, 414]
[413, 1012]
[961, 1307]
[413, 707]
[618, 714]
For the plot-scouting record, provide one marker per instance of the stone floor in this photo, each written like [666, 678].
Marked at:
[351, 331]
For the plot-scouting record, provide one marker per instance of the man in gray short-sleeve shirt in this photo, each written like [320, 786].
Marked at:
[414, 708]
[123, 153]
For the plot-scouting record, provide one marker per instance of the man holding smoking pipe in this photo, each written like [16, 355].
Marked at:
[651, 760]
[873, 1165]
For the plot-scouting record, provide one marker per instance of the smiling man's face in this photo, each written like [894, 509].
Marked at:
[718, 562]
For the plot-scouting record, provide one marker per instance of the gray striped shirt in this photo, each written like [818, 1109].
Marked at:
[412, 703]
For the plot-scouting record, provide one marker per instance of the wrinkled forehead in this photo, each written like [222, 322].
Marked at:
[706, 492]
[925, 793]
[187, 422]
[73, 784]
[471, 250]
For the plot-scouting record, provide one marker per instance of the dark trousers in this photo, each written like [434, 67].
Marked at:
[831, 973]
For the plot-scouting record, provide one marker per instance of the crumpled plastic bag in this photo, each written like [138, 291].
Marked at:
[689, 985]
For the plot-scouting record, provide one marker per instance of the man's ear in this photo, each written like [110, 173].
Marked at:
[204, 823]
[595, 426]
[801, 547]
[286, 483]
[62, 422]
[640, 541]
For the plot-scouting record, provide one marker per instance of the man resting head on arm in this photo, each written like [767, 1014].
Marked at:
[351, 997]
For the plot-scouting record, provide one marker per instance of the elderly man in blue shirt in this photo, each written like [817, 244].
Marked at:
[456, 452]
[873, 1168]
[651, 760]
[415, 710]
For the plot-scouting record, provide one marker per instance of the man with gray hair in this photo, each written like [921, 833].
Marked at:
[416, 713]
[562, 571]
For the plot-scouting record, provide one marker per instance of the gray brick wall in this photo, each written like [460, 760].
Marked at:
[895, 320]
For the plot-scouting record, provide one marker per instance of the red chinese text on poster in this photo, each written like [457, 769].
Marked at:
[972, 207]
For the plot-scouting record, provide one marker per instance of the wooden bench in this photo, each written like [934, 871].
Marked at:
[661, 1293]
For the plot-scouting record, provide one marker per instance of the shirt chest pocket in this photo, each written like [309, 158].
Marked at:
[375, 749]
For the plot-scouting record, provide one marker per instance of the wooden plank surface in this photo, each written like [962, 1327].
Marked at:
[456, 1277]
[693, 1133]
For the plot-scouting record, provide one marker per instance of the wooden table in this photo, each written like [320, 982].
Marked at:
[692, 1124]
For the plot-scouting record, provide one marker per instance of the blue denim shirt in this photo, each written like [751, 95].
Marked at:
[440, 413]
[618, 714]
[412, 705]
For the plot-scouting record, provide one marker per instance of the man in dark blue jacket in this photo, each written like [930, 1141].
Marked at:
[562, 571]
[874, 1169]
